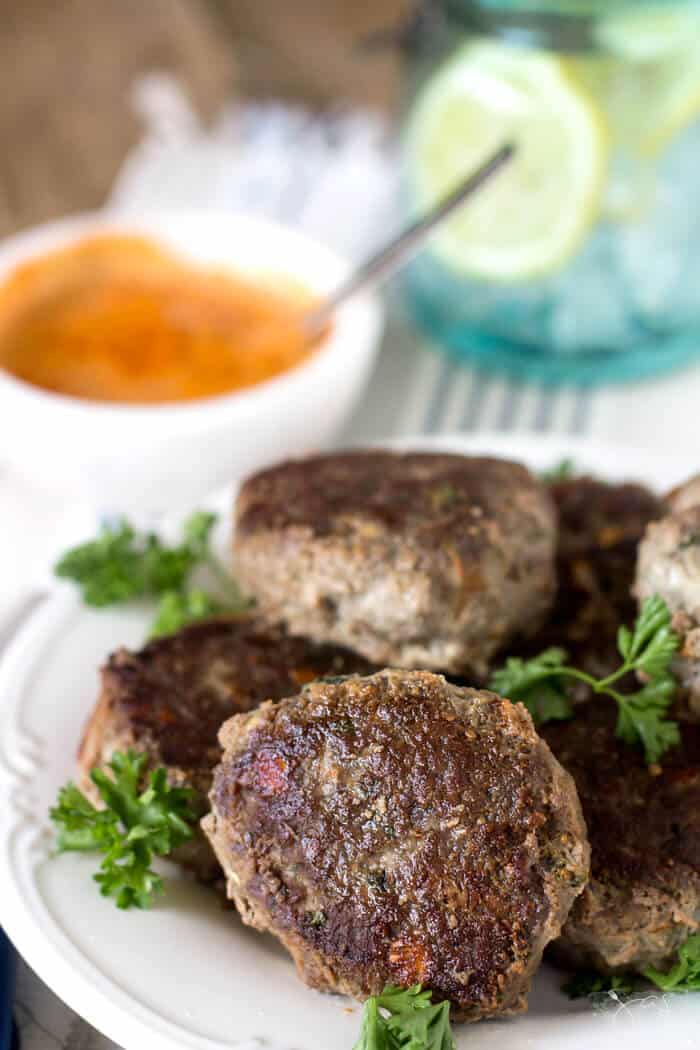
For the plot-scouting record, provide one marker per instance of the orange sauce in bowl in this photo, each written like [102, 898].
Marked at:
[119, 318]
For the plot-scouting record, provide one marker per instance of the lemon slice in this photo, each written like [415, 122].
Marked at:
[652, 32]
[536, 212]
[653, 91]
[672, 91]
[647, 103]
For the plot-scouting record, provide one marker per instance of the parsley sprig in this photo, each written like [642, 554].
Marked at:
[684, 976]
[405, 1019]
[123, 565]
[591, 985]
[564, 470]
[134, 827]
[647, 649]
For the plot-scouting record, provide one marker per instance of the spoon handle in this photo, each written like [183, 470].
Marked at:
[389, 258]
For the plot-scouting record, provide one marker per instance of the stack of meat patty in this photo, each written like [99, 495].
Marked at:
[388, 824]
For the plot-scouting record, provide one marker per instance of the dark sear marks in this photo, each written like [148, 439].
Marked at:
[399, 829]
[643, 898]
[170, 698]
[414, 560]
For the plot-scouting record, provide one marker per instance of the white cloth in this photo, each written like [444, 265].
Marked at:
[334, 177]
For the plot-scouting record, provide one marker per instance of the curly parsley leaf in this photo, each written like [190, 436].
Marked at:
[122, 565]
[641, 718]
[531, 683]
[587, 985]
[650, 646]
[109, 569]
[647, 649]
[197, 532]
[134, 827]
[405, 1019]
[175, 609]
[374, 1034]
[561, 471]
[684, 976]
[80, 825]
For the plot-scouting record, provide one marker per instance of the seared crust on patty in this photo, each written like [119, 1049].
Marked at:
[643, 897]
[400, 829]
[414, 560]
[684, 496]
[170, 698]
[669, 566]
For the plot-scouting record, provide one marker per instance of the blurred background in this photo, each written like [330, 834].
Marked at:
[563, 300]
[69, 68]
[580, 268]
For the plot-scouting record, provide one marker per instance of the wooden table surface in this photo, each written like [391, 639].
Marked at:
[66, 70]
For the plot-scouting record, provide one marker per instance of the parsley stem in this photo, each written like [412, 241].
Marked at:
[598, 685]
[572, 672]
[614, 677]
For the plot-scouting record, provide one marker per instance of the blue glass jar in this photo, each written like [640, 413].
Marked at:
[583, 264]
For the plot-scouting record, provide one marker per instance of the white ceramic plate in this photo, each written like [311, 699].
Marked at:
[187, 975]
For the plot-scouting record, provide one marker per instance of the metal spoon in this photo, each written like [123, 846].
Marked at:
[402, 248]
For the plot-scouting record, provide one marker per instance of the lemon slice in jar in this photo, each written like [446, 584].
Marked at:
[654, 91]
[648, 103]
[650, 32]
[673, 97]
[535, 214]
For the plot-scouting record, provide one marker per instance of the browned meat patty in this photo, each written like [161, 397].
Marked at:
[170, 699]
[684, 496]
[600, 526]
[669, 565]
[395, 829]
[413, 560]
[643, 897]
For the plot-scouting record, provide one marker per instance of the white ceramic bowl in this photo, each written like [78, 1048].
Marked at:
[157, 457]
